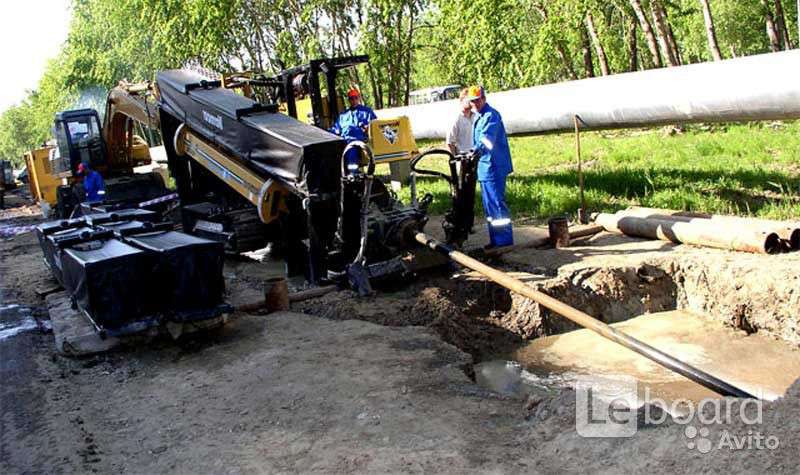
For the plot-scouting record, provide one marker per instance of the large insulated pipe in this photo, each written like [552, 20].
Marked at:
[719, 235]
[515, 285]
[761, 87]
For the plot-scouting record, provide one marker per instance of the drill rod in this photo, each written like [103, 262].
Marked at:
[515, 285]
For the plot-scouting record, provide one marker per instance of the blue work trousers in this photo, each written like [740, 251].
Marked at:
[352, 160]
[498, 217]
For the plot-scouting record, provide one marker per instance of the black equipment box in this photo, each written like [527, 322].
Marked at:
[121, 215]
[129, 228]
[54, 243]
[111, 282]
[188, 271]
[50, 227]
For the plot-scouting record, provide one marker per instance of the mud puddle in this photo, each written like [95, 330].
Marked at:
[756, 363]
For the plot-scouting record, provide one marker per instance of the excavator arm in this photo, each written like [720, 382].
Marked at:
[126, 104]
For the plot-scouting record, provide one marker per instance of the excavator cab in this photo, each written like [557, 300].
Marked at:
[79, 139]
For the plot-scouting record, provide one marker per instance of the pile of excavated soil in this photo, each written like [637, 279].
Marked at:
[615, 278]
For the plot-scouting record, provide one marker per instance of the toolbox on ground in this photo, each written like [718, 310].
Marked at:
[111, 282]
[188, 269]
[126, 272]
[54, 243]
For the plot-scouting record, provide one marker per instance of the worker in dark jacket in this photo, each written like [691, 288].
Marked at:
[490, 148]
[352, 125]
[93, 183]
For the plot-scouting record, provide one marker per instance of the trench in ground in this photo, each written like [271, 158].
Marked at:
[716, 324]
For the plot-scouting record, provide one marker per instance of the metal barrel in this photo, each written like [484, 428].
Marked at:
[585, 320]
[759, 87]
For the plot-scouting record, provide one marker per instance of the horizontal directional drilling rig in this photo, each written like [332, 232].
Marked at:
[241, 168]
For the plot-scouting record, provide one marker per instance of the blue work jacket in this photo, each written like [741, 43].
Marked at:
[350, 122]
[94, 187]
[490, 141]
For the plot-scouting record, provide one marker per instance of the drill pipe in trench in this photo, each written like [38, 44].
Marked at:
[515, 285]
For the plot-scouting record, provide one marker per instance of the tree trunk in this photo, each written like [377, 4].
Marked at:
[409, 54]
[376, 87]
[674, 43]
[772, 32]
[586, 49]
[662, 32]
[562, 53]
[560, 48]
[633, 46]
[780, 21]
[711, 33]
[647, 29]
[598, 46]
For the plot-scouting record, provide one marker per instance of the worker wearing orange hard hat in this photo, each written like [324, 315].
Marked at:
[352, 125]
[93, 184]
[490, 149]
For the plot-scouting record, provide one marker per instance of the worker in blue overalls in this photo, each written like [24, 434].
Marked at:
[490, 148]
[93, 183]
[352, 125]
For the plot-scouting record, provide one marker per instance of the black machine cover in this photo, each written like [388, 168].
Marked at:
[188, 269]
[110, 281]
[272, 143]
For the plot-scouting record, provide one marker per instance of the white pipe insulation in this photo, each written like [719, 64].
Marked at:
[761, 87]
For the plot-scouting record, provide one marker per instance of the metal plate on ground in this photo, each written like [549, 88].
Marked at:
[73, 333]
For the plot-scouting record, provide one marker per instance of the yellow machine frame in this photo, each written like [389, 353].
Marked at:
[41, 181]
[391, 140]
[265, 194]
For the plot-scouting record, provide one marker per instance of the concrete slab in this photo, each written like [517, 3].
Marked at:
[74, 335]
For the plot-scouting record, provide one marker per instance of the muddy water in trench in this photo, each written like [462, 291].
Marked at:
[756, 363]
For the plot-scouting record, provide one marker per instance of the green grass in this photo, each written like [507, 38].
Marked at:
[751, 169]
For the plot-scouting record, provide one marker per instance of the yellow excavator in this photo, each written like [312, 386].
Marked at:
[113, 149]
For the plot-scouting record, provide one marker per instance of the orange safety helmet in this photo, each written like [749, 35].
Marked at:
[475, 92]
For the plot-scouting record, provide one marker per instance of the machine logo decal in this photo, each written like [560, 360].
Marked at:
[390, 133]
[215, 120]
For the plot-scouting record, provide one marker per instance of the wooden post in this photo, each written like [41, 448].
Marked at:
[582, 217]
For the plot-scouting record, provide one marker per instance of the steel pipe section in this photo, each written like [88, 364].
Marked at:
[788, 231]
[761, 87]
[698, 232]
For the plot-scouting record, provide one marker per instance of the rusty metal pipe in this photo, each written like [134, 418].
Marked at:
[581, 232]
[293, 298]
[707, 234]
[585, 320]
[788, 231]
